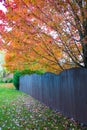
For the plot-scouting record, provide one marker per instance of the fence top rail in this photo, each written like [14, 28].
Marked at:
[70, 71]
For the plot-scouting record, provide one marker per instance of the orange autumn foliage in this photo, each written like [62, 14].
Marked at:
[46, 34]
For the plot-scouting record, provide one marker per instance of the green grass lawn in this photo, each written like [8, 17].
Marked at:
[19, 111]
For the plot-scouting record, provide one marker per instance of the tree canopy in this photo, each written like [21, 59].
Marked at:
[48, 34]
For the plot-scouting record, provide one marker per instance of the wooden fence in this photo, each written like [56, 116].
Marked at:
[66, 92]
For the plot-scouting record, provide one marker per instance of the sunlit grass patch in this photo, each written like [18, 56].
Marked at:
[6, 85]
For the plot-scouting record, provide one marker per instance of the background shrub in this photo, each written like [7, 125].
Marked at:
[1, 80]
[8, 80]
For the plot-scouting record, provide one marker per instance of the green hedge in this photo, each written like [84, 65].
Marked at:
[18, 74]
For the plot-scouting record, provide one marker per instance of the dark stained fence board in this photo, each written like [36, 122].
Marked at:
[66, 92]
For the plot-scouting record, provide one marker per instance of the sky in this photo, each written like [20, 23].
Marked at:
[1, 54]
[2, 7]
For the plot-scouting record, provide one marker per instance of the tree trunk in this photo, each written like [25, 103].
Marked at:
[85, 55]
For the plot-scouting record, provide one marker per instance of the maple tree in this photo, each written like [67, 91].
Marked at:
[49, 34]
